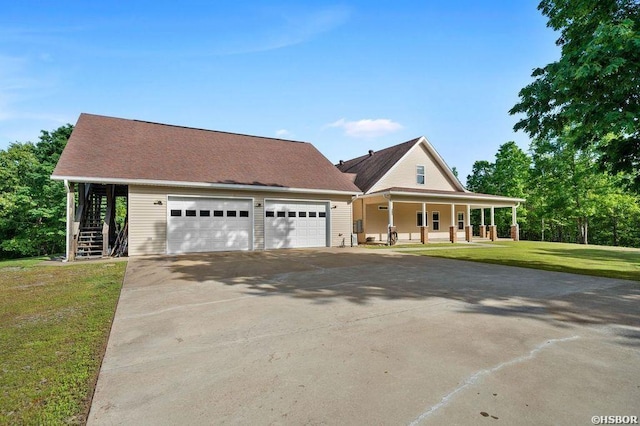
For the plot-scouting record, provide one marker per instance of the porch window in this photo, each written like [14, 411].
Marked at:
[420, 175]
[461, 221]
[419, 222]
[435, 221]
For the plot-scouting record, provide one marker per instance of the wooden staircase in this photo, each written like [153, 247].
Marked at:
[90, 239]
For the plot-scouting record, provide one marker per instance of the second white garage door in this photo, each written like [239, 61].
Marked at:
[208, 224]
[290, 224]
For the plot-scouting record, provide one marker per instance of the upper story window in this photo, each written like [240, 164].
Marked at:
[420, 175]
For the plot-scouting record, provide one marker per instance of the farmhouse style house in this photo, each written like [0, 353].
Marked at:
[410, 188]
[190, 190]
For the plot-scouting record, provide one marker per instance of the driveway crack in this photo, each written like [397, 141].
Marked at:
[476, 377]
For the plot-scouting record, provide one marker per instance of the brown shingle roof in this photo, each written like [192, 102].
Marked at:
[116, 148]
[369, 169]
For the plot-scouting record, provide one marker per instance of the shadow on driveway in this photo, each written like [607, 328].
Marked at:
[361, 276]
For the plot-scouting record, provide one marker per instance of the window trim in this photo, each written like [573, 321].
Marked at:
[435, 223]
[460, 221]
[419, 214]
[423, 174]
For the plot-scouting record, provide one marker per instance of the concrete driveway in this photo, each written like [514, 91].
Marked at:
[356, 336]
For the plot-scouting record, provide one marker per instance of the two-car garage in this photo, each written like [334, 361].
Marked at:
[203, 224]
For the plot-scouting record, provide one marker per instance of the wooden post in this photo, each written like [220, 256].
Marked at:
[108, 218]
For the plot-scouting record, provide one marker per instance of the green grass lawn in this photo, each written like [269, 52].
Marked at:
[601, 261]
[54, 325]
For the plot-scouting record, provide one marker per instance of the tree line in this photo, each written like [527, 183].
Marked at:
[569, 198]
[32, 206]
[582, 175]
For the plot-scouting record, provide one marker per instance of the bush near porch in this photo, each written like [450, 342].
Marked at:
[54, 325]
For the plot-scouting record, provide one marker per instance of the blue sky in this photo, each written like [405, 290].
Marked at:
[346, 76]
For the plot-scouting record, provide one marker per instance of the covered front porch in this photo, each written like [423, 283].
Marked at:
[410, 215]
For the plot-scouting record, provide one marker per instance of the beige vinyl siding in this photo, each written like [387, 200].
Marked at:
[341, 222]
[403, 174]
[148, 222]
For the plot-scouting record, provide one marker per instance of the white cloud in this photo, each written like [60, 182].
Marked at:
[367, 128]
[284, 133]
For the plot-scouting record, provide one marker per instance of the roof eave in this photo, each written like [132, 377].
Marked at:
[153, 182]
[471, 196]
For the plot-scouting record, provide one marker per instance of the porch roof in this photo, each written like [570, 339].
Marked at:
[431, 194]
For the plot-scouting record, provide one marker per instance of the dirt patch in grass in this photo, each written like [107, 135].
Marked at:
[54, 324]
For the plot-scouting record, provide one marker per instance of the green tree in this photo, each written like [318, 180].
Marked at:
[617, 216]
[32, 206]
[508, 176]
[572, 195]
[593, 90]
[481, 178]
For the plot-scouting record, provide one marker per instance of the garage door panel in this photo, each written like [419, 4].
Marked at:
[295, 224]
[212, 225]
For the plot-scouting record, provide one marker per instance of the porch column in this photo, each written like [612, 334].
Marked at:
[390, 211]
[71, 214]
[364, 222]
[493, 232]
[483, 229]
[424, 233]
[468, 229]
[515, 229]
[453, 236]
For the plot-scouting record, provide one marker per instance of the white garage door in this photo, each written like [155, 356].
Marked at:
[208, 224]
[291, 224]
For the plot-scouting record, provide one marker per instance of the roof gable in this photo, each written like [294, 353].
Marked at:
[115, 148]
[370, 168]
[396, 167]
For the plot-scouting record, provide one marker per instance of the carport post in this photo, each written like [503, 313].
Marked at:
[71, 204]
